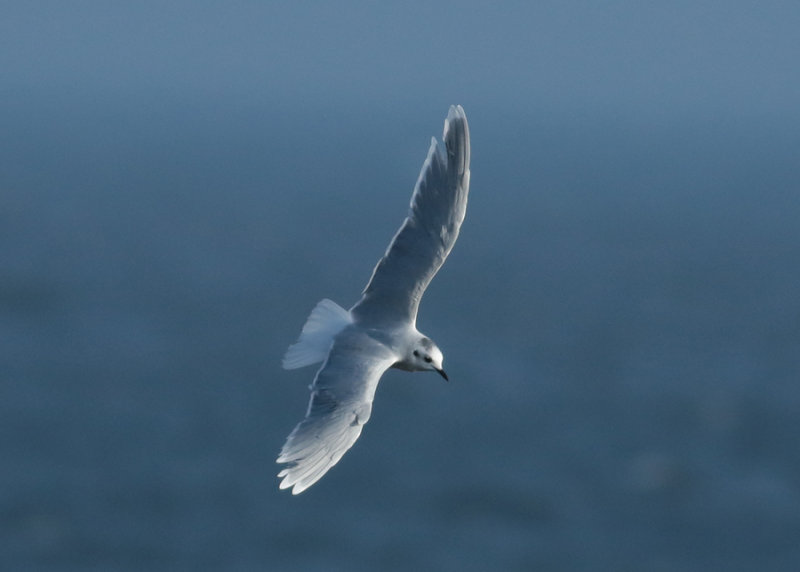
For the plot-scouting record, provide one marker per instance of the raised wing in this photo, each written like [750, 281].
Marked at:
[428, 233]
[340, 405]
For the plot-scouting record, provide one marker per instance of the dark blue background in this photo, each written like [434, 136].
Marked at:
[181, 183]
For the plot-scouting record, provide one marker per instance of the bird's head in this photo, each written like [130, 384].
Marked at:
[426, 356]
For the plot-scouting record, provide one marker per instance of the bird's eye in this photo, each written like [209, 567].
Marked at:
[428, 359]
[416, 353]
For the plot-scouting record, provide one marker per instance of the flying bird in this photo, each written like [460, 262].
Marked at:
[357, 346]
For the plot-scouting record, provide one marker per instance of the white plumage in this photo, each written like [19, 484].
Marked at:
[379, 332]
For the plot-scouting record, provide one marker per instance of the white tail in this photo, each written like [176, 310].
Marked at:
[326, 320]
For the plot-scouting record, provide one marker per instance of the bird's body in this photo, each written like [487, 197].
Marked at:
[379, 331]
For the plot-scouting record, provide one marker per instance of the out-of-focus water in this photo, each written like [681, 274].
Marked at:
[620, 321]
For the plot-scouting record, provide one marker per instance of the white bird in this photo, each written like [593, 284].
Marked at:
[379, 332]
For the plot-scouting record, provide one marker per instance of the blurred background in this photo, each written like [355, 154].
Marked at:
[181, 182]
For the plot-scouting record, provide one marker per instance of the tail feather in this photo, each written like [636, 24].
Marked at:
[326, 320]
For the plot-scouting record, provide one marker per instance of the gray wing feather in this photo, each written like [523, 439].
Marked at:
[340, 405]
[428, 233]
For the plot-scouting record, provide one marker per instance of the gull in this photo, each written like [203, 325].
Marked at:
[357, 346]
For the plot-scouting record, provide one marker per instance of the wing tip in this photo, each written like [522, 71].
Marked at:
[299, 479]
[456, 111]
[456, 139]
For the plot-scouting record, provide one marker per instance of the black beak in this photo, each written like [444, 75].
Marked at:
[443, 374]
